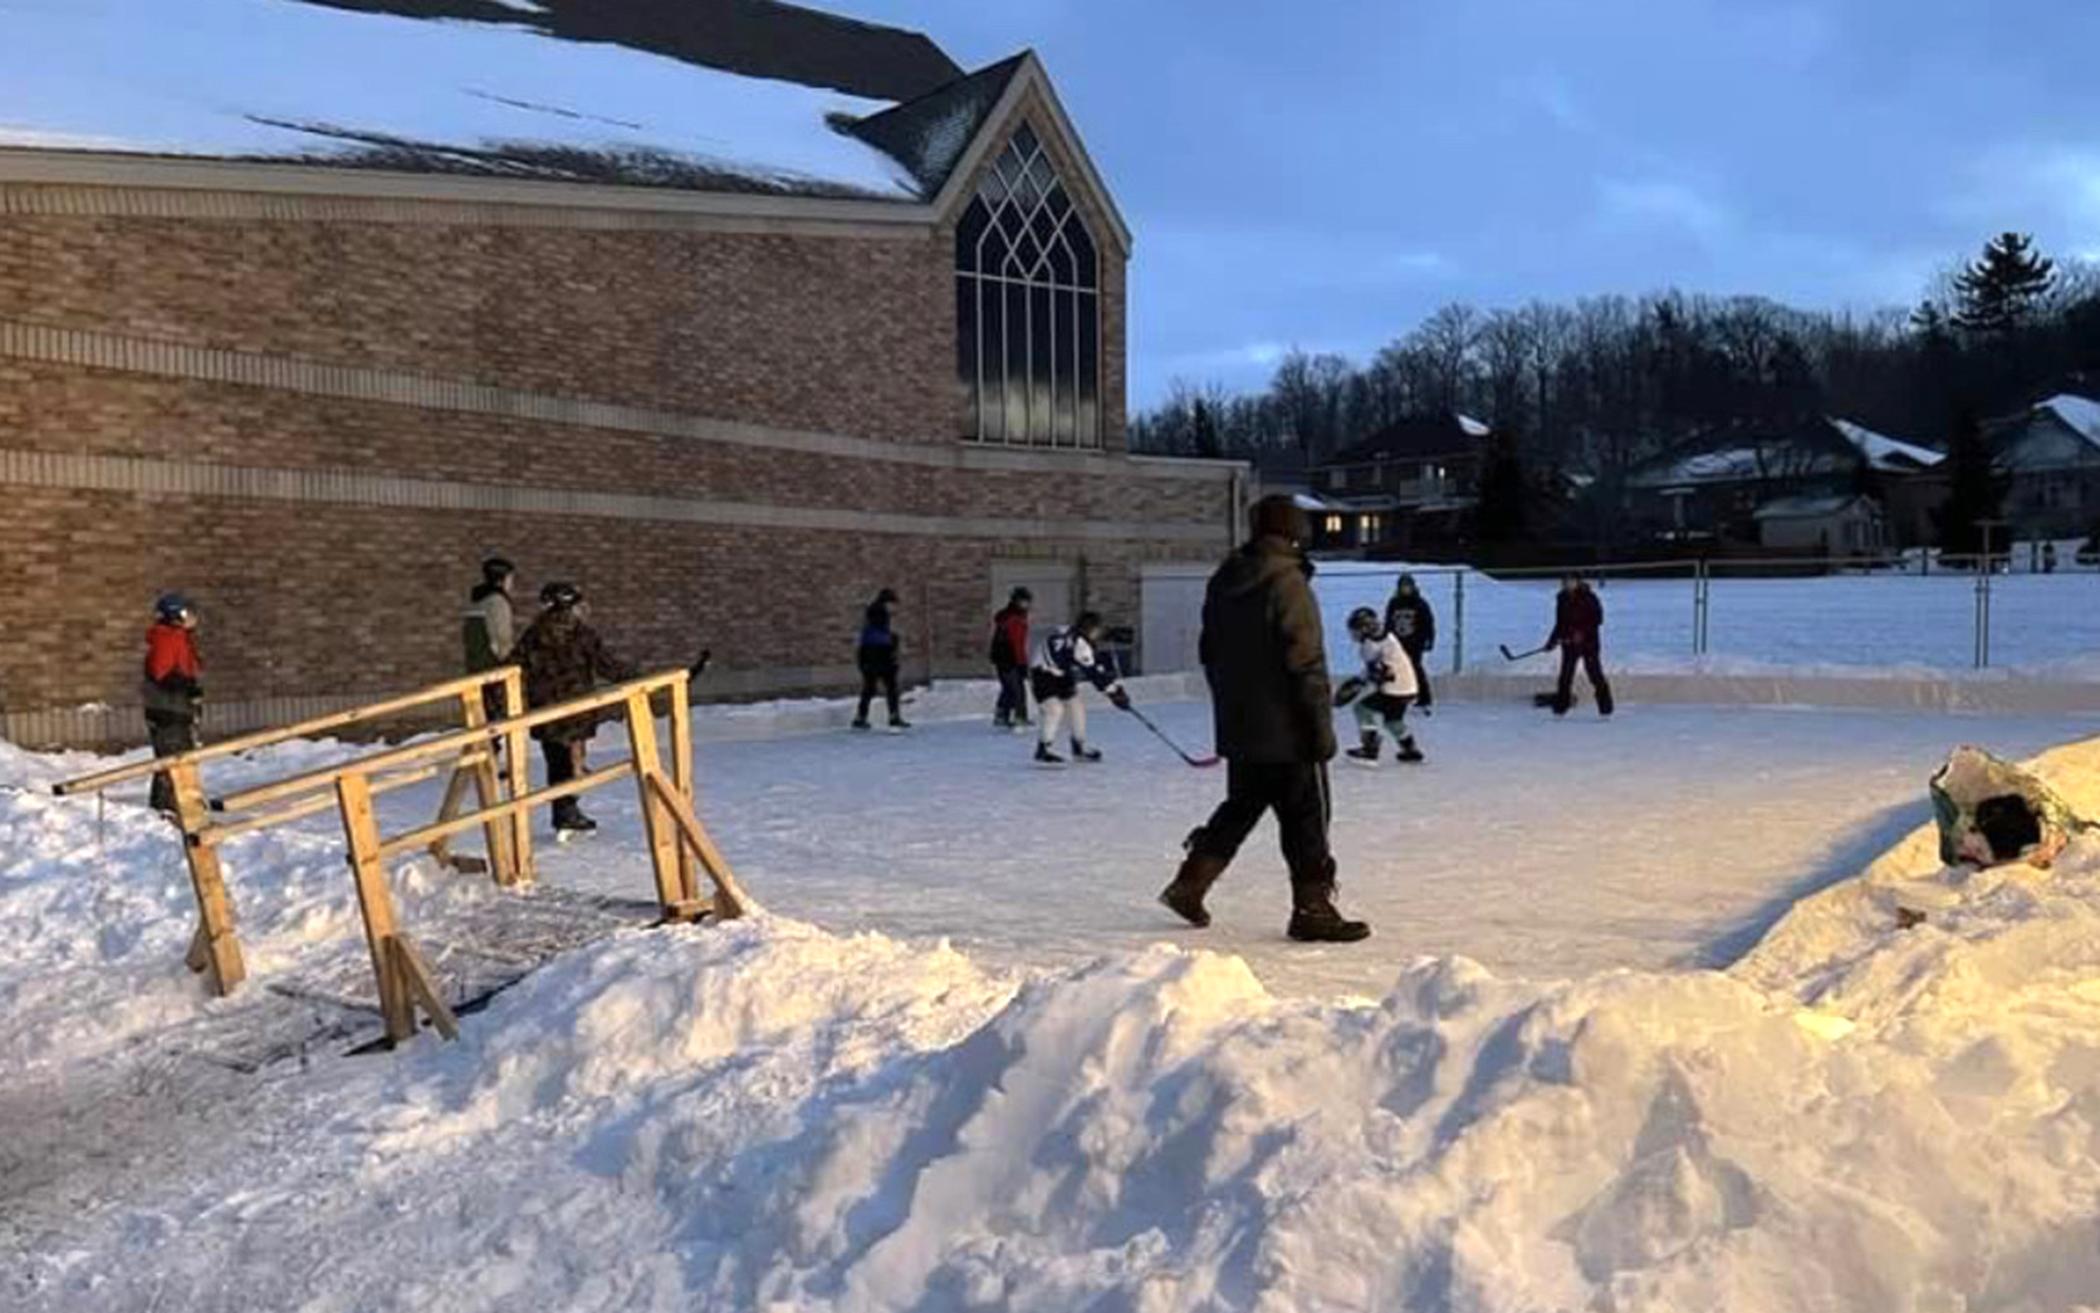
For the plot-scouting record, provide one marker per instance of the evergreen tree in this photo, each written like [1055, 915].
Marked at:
[1203, 428]
[1975, 487]
[1999, 292]
[1503, 514]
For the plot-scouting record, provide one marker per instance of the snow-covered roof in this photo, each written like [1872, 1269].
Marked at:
[1808, 508]
[1886, 453]
[279, 78]
[2078, 413]
[1473, 427]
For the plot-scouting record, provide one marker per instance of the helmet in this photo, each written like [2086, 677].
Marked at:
[560, 594]
[1088, 622]
[1364, 622]
[1021, 594]
[172, 607]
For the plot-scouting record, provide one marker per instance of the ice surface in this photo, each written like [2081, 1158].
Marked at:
[226, 77]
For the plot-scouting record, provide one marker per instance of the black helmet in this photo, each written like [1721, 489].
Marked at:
[495, 569]
[887, 597]
[560, 594]
[172, 607]
[1364, 623]
[1021, 595]
[1087, 623]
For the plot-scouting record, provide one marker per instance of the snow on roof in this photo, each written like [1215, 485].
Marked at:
[1473, 427]
[2080, 414]
[1806, 508]
[1883, 452]
[275, 78]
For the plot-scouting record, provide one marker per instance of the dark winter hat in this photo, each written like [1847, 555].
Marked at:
[1404, 584]
[560, 594]
[496, 568]
[1020, 595]
[887, 597]
[172, 607]
[1280, 516]
[1088, 622]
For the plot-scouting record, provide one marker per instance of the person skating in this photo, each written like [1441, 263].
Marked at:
[1066, 657]
[1409, 618]
[1578, 631]
[878, 655]
[173, 693]
[488, 628]
[1010, 660]
[563, 657]
[1273, 709]
[1383, 693]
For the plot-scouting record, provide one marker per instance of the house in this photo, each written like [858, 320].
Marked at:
[1408, 487]
[1712, 488]
[733, 312]
[1846, 524]
[2051, 456]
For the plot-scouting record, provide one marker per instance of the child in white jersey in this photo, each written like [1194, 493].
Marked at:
[1383, 692]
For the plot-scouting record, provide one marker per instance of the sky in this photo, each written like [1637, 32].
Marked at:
[1325, 174]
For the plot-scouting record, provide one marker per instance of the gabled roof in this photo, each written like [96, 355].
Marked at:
[702, 95]
[2076, 413]
[1419, 437]
[1886, 453]
[1824, 445]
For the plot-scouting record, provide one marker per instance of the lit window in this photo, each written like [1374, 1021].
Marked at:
[1334, 524]
[1027, 306]
[1374, 525]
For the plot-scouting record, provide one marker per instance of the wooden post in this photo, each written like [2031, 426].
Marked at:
[656, 819]
[354, 797]
[214, 949]
[516, 747]
[497, 833]
[682, 776]
[455, 794]
[413, 978]
[729, 902]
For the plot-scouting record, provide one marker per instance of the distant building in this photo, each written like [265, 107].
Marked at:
[1408, 487]
[1771, 485]
[2051, 455]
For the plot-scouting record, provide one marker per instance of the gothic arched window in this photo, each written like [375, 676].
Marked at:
[1028, 306]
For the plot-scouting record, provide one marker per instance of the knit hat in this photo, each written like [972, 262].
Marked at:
[1280, 516]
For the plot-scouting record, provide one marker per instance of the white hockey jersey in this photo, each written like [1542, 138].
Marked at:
[1386, 667]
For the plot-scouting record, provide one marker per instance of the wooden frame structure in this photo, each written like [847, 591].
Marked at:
[679, 846]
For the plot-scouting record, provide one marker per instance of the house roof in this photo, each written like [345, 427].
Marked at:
[1826, 445]
[2080, 415]
[1811, 508]
[707, 95]
[1886, 453]
[1418, 436]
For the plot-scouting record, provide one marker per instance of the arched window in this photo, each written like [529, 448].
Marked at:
[1028, 306]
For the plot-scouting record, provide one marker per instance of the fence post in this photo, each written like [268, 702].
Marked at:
[517, 744]
[656, 818]
[1458, 622]
[214, 949]
[682, 776]
[361, 829]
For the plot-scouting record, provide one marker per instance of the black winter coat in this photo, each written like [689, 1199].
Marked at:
[1410, 620]
[1266, 658]
[564, 658]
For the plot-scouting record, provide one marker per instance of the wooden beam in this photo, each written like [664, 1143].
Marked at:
[517, 747]
[730, 902]
[376, 902]
[221, 948]
[416, 981]
[305, 729]
[682, 776]
[539, 798]
[656, 823]
[219, 832]
[488, 790]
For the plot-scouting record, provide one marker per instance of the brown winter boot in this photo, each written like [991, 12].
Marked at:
[1314, 917]
[1184, 897]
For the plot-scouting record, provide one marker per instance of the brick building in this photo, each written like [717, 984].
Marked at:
[311, 367]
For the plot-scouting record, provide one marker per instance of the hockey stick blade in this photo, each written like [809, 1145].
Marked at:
[1200, 763]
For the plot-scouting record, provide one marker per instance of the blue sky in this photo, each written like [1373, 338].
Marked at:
[1325, 173]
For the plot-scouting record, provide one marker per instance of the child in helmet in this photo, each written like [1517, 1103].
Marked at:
[1066, 657]
[171, 689]
[1383, 692]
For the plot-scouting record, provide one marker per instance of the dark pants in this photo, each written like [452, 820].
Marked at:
[1592, 666]
[1423, 697]
[169, 735]
[878, 673]
[1296, 792]
[1013, 694]
[564, 759]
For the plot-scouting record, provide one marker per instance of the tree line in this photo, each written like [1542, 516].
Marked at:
[1598, 385]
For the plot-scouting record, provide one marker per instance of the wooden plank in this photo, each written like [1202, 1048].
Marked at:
[682, 776]
[220, 831]
[375, 901]
[416, 982]
[444, 745]
[265, 738]
[729, 895]
[517, 746]
[215, 928]
[656, 824]
[488, 791]
[539, 798]
[448, 807]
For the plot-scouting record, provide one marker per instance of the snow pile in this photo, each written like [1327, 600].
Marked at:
[279, 78]
[765, 1116]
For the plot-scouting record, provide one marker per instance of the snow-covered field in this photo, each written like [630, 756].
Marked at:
[1887, 623]
[1525, 1092]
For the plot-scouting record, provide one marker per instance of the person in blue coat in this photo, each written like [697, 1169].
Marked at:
[878, 654]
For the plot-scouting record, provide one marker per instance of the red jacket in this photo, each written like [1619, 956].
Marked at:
[1578, 619]
[172, 671]
[1010, 638]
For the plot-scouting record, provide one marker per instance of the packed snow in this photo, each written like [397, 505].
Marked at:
[964, 1063]
[248, 77]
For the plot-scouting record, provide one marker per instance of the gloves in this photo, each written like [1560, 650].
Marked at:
[1119, 699]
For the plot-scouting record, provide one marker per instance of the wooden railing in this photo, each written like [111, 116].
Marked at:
[679, 847]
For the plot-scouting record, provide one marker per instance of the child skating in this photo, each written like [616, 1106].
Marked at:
[1065, 658]
[1383, 692]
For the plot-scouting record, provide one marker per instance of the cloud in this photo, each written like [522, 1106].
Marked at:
[1652, 203]
[2050, 189]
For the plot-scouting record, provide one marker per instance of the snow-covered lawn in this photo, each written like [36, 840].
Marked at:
[822, 1108]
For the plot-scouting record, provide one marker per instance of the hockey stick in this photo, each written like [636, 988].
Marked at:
[1200, 763]
[1508, 655]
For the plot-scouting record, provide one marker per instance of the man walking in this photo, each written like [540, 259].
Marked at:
[1010, 660]
[1578, 631]
[488, 629]
[1273, 708]
[878, 656]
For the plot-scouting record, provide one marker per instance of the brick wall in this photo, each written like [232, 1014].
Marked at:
[334, 594]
